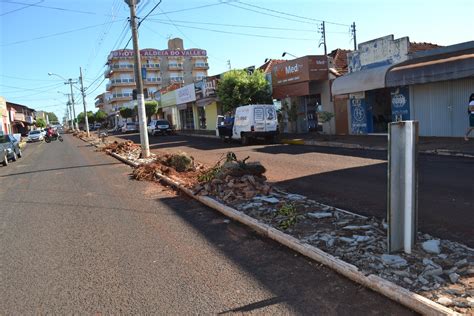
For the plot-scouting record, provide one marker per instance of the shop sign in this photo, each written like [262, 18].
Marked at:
[149, 52]
[168, 99]
[358, 116]
[400, 104]
[185, 94]
[301, 69]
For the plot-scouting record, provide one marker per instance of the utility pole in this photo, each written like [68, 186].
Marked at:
[70, 83]
[323, 38]
[228, 64]
[353, 32]
[139, 80]
[84, 102]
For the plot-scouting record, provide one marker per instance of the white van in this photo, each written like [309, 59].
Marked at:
[255, 121]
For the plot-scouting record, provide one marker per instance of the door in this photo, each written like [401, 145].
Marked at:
[340, 109]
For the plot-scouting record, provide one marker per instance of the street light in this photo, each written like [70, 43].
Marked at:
[286, 53]
[68, 108]
[70, 83]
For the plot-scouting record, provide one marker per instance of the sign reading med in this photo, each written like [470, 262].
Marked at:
[301, 69]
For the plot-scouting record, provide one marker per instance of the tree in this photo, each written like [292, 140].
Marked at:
[52, 117]
[90, 117]
[126, 113]
[40, 122]
[100, 116]
[238, 87]
[151, 107]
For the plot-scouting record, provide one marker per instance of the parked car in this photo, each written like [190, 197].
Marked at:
[97, 126]
[10, 147]
[130, 127]
[249, 122]
[160, 127]
[43, 132]
[3, 157]
[35, 136]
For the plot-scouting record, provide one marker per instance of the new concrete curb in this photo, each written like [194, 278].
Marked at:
[399, 294]
[300, 141]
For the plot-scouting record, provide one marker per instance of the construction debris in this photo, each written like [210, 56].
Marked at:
[234, 180]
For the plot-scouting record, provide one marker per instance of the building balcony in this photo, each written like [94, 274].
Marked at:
[152, 81]
[199, 78]
[201, 66]
[117, 97]
[99, 103]
[176, 80]
[151, 66]
[19, 117]
[175, 67]
[119, 83]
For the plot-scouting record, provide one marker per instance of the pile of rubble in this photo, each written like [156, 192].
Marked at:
[127, 149]
[440, 270]
[80, 134]
[178, 166]
[235, 180]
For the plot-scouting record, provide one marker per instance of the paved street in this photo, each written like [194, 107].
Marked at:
[355, 180]
[77, 236]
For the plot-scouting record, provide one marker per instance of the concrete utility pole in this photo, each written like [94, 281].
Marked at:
[138, 79]
[84, 102]
[70, 83]
[353, 31]
[323, 38]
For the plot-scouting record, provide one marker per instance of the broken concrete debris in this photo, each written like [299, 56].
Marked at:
[440, 270]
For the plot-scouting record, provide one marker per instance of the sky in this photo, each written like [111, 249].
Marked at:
[38, 37]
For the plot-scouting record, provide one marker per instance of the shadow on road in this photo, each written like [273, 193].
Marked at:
[306, 286]
[61, 168]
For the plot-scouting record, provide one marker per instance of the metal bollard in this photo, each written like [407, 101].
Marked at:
[402, 193]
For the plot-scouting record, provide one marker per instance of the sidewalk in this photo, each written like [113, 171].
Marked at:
[448, 146]
[451, 146]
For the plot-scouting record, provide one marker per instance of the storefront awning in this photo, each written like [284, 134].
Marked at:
[448, 68]
[363, 80]
[205, 102]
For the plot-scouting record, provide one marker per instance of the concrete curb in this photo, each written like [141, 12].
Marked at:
[300, 141]
[397, 293]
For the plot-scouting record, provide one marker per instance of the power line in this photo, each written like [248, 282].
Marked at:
[179, 30]
[22, 8]
[53, 35]
[243, 34]
[269, 14]
[188, 9]
[240, 25]
[29, 89]
[27, 79]
[293, 15]
[90, 92]
[52, 8]
[153, 9]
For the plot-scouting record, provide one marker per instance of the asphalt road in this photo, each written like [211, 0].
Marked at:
[352, 179]
[77, 236]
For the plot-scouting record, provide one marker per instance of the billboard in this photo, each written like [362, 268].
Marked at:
[301, 69]
[150, 52]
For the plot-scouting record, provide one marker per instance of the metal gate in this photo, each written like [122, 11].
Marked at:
[441, 107]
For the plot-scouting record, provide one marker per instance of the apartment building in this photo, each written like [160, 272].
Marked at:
[160, 68]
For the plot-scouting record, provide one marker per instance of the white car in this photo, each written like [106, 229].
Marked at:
[35, 136]
[130, 127]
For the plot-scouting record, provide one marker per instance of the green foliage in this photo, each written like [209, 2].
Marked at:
[324, 116]
[52, 117]
[238, 88]
[126, 113]
[289, 211]
[40, 122]
[151, 107]
[81, 118]
[100, 116]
